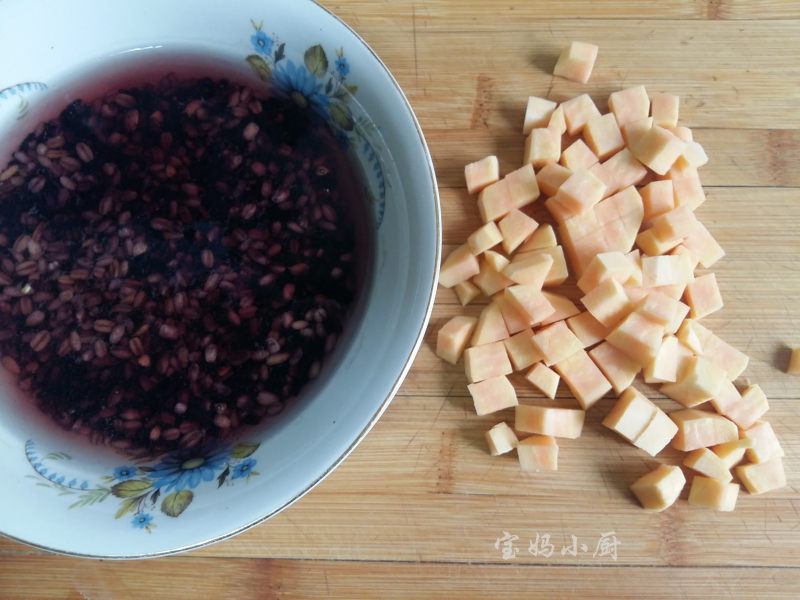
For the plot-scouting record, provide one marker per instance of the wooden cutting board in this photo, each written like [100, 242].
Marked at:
[420, 510]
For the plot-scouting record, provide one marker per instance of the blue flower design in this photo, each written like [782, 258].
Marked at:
[262, 43]
[124, 473]
[142, 521]
[187, 468]
[303, 87]
[244, 468]
[342, 66]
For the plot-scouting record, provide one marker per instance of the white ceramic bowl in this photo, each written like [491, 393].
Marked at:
[62, 496]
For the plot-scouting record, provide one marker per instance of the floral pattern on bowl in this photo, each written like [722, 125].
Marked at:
[17, 91]
[140, 485]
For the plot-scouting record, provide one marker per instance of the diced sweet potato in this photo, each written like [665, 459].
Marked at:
[556, 342]
[657, 148]
[682, 132]
[542, 146]
[698, 382]
[484, 362]
[529, 302]
[702, 244]
[481, 173]
[703, 296]
[586, 382]
[494, 201]
[631, 414]
[521, 350]
[694, 154]
[489, 280]
[704, 341]
[630, 104]
[686, 184]
[578, 111]
[615, 365]
[565, 308]
[657, 434]
[750, 408]
[538, 453]
[544, 378]
[712, 493]
[493, 394]
[587, 329]
[484, 238]
[496, 260]
[608, 302]
[614, 265]
[658, 198]
[705, 462]
[762, 477]
[731, 453]
[516, 227]
[558, 270]
[660, 488]
[551, 176]
[665, 270]
[557, 121]
[659, 307]
[522, 186]
[581, 191]
[638, 337]
[578, 156]
[576, 62]
[603, 136]
[514, 319]
[466, 292]
[701, 429]
[674, 224]
[543, 237]
[490, 327]
[556, 422]
[652, 246]
[665, 109]
[634, 130]
[620, 171]
[459, 266]
[501, 439]
[530, 269]
[765, 443]
[794, 362]
[671, 359]
[537, 113]
[452, 338]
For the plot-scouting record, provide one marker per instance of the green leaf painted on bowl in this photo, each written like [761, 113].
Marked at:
[316, 61]
[177, 502]
[244, 449]
[260, 67]
[129, 505]
[131, 488]
[341, 115]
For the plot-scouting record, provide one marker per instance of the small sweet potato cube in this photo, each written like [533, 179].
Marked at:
[699, 381]
[557, 121]
[587, 329]
[633, 130]
[489, 280]
[657, 148]
[522, 186]
[452, 338]
[544, 378]
[664, 108]
[608, 302]
[556, 342]
[578, 111]
[658, 198]
[542, 146]
[703, 296]
[615, 365]
[494, 201]
[485, 237]
[515, 320]
[496, 260]
[529, 302]
[543, 237]
[683, 133]
[649, 243]
[558, 270]
[490, 327]
[551, 176]
[603, 136]
[538, 453]
[493, 394]
[665, 270]
[606, 265]
[481, 173]
[659, 307]
[578, 156]
[705, 462]
[565, 308]
[731, 453]
[620, 171]
[558, 208]
[631, 414]
[701, 429]
[702, 244]
[726, 399]
[694, 260]
[694, 154]
[586, 382]
[713, 493]
[501, 439]
[638, 337]
[530, 269]
[576, 62]
[459, 266]
[485, 362]
[762, 477]
[516, 227]
[765, 443]
[630, 104]
[521, 350]
[693, 335]
[671, 359]
[537, 113]
[714, 348]
[794, 362]
[657, 434]
[660, 488]
[686, 184]
[676, 223]
[466, 292]
[556, 422]
[581, 191]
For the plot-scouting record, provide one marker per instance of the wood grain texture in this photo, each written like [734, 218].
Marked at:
[416, 510]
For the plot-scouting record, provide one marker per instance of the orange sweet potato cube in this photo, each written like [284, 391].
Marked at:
[631, 414]
[501, 439]
[490, 327]
[649, 243]
[515, 320]
[521, 350]
[459, 266]
[660, 308]
[694, 154]
[529, 301]
[603, 136]
[687, 189]
[578, 111]
[638, 337]
[671, 359]
[657, 148]
[608, 302]
[659, 489]
[763, 477]
[750, 408]
[481, 173]
[586, 382]
[556, 422]
[551, 176]
[576, 62]
[537, 113]
[565, 308]
[676, 223]
[658, 198]
[713, 493]
[794, 362]
[542, 146]
[516, 227]
[466, 292]
[557, 121]
[489, 280]
[765, 443]
[632, 131]
[606, 265]
[494, 201]
[732, 453]
[484, 238]
[615, 365]
[544, 378]
[556, 342]
[558, 270]
[714, 348]
[581, 191]
[543, 237]
[485, 362]
[496, 260]
[538, 453]
[493, 394]
[578, 156]
[699, 382]
[703, 296]
[705, 462]
[630, 104]
[522, 186]
[530, 268]
[665, 270]
[701, 429]
[620, 171]
[657, 434]
[665, 109]
[587, 329]
[452, 338]
[702, 244]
